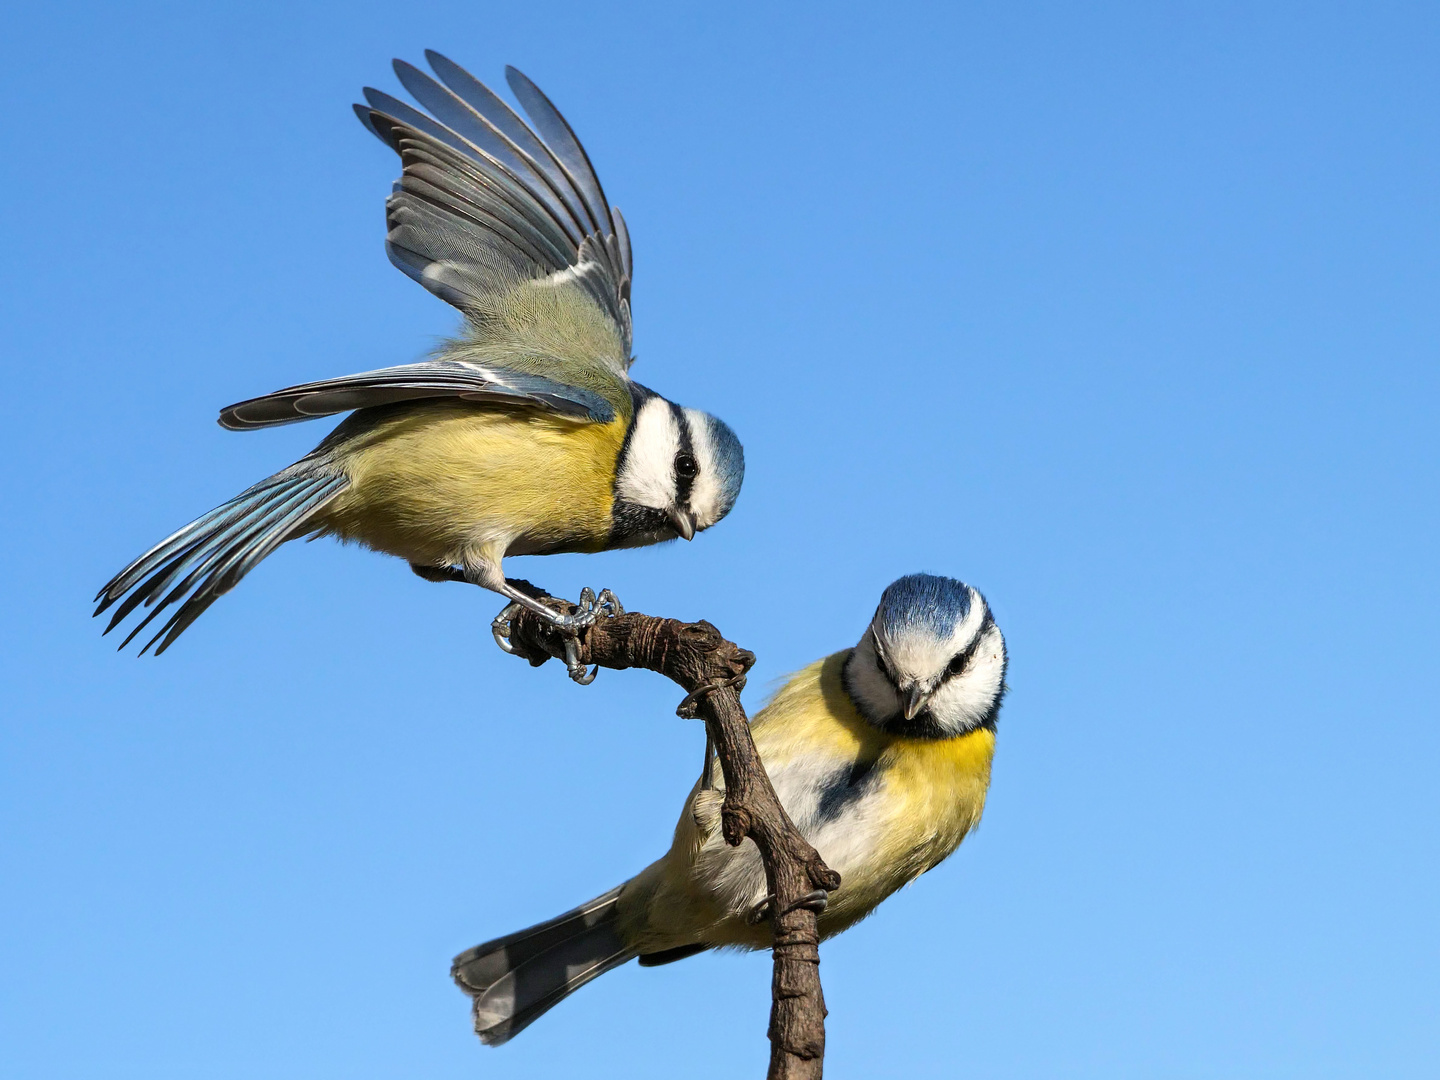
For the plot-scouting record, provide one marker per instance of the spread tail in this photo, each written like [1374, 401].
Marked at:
[213, 552]
[514, 979]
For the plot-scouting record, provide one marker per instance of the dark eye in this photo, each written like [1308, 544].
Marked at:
[686, 467]
[957, 665]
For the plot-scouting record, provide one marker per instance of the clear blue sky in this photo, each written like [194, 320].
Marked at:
[1128, 316]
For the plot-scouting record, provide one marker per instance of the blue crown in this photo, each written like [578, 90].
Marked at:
[729, 461]
[923, 601]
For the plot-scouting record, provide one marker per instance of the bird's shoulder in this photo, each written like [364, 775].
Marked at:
[811, 715]
[556, 334]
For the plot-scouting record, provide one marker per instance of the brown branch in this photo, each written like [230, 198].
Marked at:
[696, 656]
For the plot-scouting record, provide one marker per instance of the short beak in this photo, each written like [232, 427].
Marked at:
[684, 522]
[915, 700]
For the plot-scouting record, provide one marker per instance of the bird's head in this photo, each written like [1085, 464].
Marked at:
[932, 662]
[678, 473]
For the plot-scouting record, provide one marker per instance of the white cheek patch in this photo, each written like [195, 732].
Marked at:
[964, 700]
[706, 497]
[647, 477]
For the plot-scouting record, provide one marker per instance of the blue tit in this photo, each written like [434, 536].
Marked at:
[524, 435]
[881, 756]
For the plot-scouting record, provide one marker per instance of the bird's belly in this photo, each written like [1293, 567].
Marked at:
[439, 484]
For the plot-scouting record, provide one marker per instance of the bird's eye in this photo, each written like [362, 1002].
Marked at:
[686, 467]
[957, 665]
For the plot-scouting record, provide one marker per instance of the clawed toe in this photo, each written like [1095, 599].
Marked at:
[500, 626]
[816, 900]
[607, 604]
[587, 612]
[574, 666]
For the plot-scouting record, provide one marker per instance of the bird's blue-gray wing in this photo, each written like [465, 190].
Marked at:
[486, 204]
[412, 382]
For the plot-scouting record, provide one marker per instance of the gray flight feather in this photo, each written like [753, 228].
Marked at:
[499, 115]
[525, 157]
[212, 553]
[515, 979]
[413, 382]
[564, 145]
[486, 203]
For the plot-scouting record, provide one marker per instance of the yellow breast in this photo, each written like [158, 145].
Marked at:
[935, 794]
[919, 800]
[439, 479]
[931, 792]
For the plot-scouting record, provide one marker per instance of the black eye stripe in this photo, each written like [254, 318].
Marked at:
[686, 451]
[962, 659]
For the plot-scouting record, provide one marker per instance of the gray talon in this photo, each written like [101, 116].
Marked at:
[574, 667]
[578, 621]
[500, 627]
[816, 900]
[587, 612]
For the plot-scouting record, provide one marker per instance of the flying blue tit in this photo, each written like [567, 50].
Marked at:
[524, 435]
[881, 756]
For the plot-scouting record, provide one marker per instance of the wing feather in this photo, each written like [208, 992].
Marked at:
[488, 207]
[564, 145]
[413, 382]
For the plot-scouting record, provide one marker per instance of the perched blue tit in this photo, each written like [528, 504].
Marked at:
[524, 435]
[881, 756]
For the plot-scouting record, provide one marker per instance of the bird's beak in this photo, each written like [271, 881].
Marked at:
[915, 700]
[684, 522]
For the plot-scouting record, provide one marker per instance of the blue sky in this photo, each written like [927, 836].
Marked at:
[1126, 315]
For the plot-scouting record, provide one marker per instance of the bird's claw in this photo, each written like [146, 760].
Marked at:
[500, 627]
[607, 604]
[574, 666]
[587, 612]
[815, 900]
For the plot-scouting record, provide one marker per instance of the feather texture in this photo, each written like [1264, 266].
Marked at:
[486, 203]
[516, 978]
[880, 809]
[209, 556]
[412, 382]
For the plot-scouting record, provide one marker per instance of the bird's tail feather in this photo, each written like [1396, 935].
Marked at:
[514, 979]
[213, 552]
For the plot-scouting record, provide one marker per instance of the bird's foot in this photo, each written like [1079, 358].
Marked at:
[607, 604]
[815, 900]
[588, 611]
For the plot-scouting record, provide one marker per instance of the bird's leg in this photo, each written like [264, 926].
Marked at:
[816, 900]
[588, 610]
[487, 574]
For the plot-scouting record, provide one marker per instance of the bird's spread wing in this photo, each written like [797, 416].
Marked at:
[506, 221]
[412, 382]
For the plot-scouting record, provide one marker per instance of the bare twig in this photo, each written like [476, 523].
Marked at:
[712, 670]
